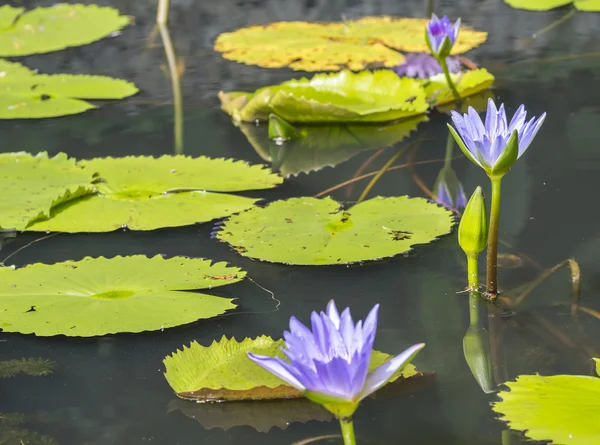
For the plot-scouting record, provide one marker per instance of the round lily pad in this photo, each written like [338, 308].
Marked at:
[97, 296]
[311, 231]
[146, 193]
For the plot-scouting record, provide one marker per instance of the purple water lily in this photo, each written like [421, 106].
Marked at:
[330, 364]
[441, 35]
[496, 145]
[424, 66]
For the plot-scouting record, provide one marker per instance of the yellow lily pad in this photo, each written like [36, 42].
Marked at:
[335, 45]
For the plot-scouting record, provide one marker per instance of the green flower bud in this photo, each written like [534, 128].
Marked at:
[473, 226]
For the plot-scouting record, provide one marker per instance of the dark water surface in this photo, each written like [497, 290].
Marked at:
[111, 390]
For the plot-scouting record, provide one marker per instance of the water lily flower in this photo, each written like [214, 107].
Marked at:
[424, 66]
[496, 145]
[441, 35]
[330, 363]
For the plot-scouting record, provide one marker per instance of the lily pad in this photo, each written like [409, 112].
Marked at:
[145, 193]
[43, 30]
[564, 409]
[367, 96]
[98, 296]
[319, 146]
[223, 371]
[334, 46]
[546, 5]
[310, 231]
[32, 185]
[25, 94]
[467, 83]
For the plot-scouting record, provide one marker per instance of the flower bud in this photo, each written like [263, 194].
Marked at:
[473, 226]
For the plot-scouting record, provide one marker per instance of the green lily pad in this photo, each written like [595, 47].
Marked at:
[333, 46]
[310, 231]
[546, 5]
[98, 296]
[223, 371]
[145, 193]
[319, 146]
[25, 94]
[378, 96]
[564, 409]
[467, 83]
[32, 185]
[43, 30]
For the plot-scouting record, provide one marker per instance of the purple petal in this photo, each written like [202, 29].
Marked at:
[347, 330]
[380, 376]
[456, 30]
[491, 119]
[320, 334]
[474, 124]
[333, 314]
[442, 195]
[278, 367]
[529, 133]
[370, 328]
[461, 198]
[516, 123]
[502, 127]
[336, 380]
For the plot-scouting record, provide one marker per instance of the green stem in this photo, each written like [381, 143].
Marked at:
[347, 431]
[449, 80]
[492, 247]
[163, 12]
[472, 272]
[474, 308]
[449, 148]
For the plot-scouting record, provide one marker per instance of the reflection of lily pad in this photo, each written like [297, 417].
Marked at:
[32, 185]
[318, 146]
[223, 371]
[333, 46]
[564, 409]
[545, 5]
[97, 296]
[144, 193]
[263, 416]
[25, 94]
[310, 231]
[367, 96]
[56, 27]
[467, 83]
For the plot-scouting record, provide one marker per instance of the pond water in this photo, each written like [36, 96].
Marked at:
[111, 390]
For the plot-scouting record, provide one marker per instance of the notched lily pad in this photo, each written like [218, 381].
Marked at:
[33, 185]
[146, 193]
[98, 296]
[333, 46]
[43, 30]
[378, 96]
[311, 231]
[25, 94]
[317, 146]
[223, 371]
[564, 409]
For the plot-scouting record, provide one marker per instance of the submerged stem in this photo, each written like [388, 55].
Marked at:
[449, 80]
[347, 431]
[492, 247]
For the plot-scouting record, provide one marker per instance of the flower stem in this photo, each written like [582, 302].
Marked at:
[492, 247]
[449, 81]
[347, 431]
[449, 149]
[472, 272]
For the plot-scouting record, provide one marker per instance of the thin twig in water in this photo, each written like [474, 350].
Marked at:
[26, 246]
[317, 439]
[363, 167]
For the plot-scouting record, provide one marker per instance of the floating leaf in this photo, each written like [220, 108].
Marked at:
[588, 5]
[223, 372]
[32, 185]
[467, 83]
[43, 30]
[334, 46]
[145, 193]
[537, 5]
[564, 409]
[97, 296]
[367, 96]
[310, 231]
[25, 94]
[318, 146]
[31, 366]
[263, 416]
